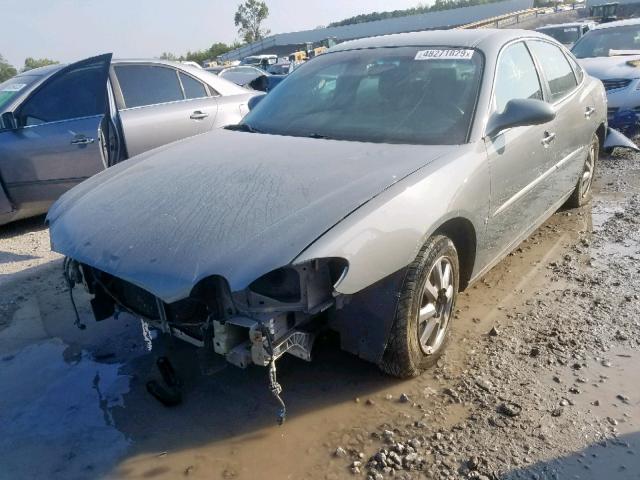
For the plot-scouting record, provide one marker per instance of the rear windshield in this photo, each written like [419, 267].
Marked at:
[241, 75]
[278, 69]
[414, 95]
[13, 87]
[564, 35]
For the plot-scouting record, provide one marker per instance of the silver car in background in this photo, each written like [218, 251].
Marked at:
[63, 123]
[567, 33]
[611, 53]
[361, 195]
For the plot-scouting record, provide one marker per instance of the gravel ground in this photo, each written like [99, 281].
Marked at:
[24, 245]
[552, 389]
[540, 380]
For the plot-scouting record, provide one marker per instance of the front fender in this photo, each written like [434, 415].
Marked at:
[384, 235]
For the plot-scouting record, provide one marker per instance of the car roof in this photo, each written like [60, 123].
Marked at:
[482, 38]
[618, 23]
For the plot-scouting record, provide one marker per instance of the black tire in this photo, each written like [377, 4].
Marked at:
[582, 193]
[404, 355]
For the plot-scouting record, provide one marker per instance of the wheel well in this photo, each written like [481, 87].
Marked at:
[601, 132]
[463, 235]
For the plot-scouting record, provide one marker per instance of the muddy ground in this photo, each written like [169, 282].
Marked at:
[541, 379]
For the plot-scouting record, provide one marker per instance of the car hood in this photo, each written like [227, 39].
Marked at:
[224, 203]
[610, 67]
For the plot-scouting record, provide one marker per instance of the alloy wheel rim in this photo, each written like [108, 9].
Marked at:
[435, 307]
[587, 174]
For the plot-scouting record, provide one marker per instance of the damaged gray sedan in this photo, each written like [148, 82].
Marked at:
[361, 195]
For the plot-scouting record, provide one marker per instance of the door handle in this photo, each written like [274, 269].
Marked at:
[198, 115]
[82, 141]
[589, 111]
[548, 138]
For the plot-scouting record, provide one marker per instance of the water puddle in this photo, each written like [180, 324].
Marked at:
[56, 415]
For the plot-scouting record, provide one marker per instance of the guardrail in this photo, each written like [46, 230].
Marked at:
[513, 18]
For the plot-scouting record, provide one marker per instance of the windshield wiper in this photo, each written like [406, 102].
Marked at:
[319, 135]
[243, 127]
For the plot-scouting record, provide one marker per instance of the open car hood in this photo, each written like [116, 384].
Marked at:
[224, 203]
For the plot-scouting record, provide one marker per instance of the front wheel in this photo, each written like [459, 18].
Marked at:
[582, 193]
[423, 317]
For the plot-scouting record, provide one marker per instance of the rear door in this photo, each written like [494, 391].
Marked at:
[160, 104]
[56, 143]
[575, 122]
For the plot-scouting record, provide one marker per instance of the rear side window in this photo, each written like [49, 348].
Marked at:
[148, 84]
[516, 77]
[192, 87]
[577, 69]
[556, 69]
[77, 93]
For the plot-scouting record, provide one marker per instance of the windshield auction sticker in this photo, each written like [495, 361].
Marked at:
[14, 87]
[445, 54]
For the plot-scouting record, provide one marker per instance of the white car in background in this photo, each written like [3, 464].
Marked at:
[611, 53]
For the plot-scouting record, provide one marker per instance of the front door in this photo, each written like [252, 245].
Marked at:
[518, 157]
[56, 143]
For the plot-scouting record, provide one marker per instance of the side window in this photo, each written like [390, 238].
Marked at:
[66, 96]
[556, 69]
[516, 76]
[577, 69]
[148, 84]
[192, 87]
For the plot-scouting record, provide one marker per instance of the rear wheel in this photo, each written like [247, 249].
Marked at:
[582, 194]
[423, 318]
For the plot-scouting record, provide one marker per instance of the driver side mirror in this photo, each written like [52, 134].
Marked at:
[520, 112]
[8, 121]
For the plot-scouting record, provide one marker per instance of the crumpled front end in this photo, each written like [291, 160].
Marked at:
[280, 312]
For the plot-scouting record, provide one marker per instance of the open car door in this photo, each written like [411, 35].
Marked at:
[57, 137]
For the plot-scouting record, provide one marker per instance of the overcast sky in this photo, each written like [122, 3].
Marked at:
[68, 30]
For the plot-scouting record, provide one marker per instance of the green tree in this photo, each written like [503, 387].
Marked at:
[6, 70]
[30, 63]
[168, 56]
[249, 18]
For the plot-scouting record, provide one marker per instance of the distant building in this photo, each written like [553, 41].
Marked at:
[283, 44]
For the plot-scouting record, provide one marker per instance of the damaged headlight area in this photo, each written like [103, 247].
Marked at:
[280, 312]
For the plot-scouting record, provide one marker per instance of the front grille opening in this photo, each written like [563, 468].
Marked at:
[203, 302]
[615, 83]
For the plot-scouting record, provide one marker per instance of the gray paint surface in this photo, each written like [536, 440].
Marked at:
[224, 202]
[235, 207]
